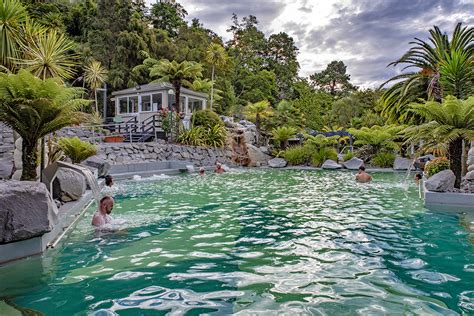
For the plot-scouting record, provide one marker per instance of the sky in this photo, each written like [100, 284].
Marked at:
[365, 34]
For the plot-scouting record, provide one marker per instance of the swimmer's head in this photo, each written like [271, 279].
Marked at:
[361, 168]
[201, 170]
[418, 176]
[109, 181]
[106, 204]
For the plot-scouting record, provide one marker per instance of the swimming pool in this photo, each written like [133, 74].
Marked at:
[298, 242]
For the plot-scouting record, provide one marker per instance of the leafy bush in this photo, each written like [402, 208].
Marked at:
[206, 118]
[383, 160]
[76, 149]
[193, 137]
[436, 165]
[204, 136]
[348, 156]
[297, 155]
[320, 141]
[281, 135]
[323, 154]
[215, 136]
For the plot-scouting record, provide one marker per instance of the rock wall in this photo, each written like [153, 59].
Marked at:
[121, 153]
[6, 141]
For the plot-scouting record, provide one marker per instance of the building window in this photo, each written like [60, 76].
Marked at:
[146, 103]
[195, 104]
[157, 99]
[123, 105]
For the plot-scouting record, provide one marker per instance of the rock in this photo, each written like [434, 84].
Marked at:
[470, 168]
[68, 185]
[469, 176]
[402, 163]
[256, 156]
[331, 164]
[6, 168]
[99, 163]
[17, 159]
[353, 164]
[26, 210]
[249, 137]
[277, 163]
[443, 181]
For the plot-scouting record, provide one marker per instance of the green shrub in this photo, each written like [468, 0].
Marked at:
[323, 154]
[204, 136]
[436, 165]
[348, 156]
[281, 135]
[383, 160]
[193, 137]
[297, 155]
[206, 118]
[76, 149]
[215, 136]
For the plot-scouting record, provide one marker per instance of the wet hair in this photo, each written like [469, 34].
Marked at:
[108, 180]
[105, 198]
[362, 168]
[418, 176]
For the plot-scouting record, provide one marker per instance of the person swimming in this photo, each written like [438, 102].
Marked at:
[418, 178]
[201, 171]
[219, 168]
[102, 216]
[363, 176]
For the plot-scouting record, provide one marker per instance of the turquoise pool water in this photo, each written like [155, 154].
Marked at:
[294, 242]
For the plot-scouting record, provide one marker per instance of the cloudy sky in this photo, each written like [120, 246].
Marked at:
[365, 34]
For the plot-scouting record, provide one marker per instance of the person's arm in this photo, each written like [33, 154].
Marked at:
[97, 220]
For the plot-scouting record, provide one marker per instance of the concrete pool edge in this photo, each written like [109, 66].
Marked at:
[68, 213]
[448, 201]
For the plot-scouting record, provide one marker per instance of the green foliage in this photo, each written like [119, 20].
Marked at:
[76, 149]
[286, 114]
[378, 137]
[440, 64]
[323, 154]
[333, 79]
[297, 155]
[321, 141]
[436, 165]
[383, 160]
[281, 135]
[206, 118]
[168, 16]
[214, 136]
[35, 108]
[348, 156]
[312, 105]
[13, 17]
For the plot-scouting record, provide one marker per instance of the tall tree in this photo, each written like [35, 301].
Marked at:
[215, 56]
[333, 79]
[95, 76]
[439, 64]
[168, 16]
[281, 54]
[448, 123]
[35, 108]
[177, 73]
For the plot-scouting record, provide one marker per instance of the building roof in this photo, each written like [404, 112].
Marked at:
[155, 87]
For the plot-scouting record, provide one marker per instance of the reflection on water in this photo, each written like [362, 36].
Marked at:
[297, 242]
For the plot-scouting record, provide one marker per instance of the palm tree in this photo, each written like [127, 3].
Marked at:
[95, 76]
[47, 55]
[35, 108]
[449, 123]
[256, 111]
[440, 65]
[12, 17]
[282, 134]
[216, 56]
[177, 73]
[206, 86]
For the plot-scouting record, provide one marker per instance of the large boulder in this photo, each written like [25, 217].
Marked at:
[277, 163]
[26, 210]
[68, 185]
[353, 164]
[469, 176]
[98, 162]
[470, 157]
[256, 157]
[331, 164]
[401, 163]
[443, 181]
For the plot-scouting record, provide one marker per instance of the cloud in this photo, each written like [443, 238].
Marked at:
[365, 34]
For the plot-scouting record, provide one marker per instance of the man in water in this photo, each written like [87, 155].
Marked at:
[201, 171]
[102, 216]
[109, 181]
[363, 176]
[418, 178]
[219, 168]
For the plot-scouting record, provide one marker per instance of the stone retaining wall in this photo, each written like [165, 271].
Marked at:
[6, 141]
[123, 153]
